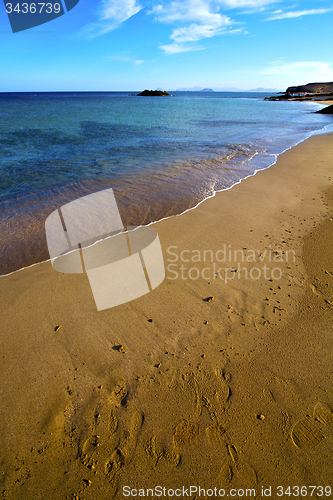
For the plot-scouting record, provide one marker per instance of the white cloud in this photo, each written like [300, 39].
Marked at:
[193, 20]
[175, 48]
[119, 11]
[137, 62]
[297, 13]
[236, 4]
[111, 14]
[187, 11]
[199, 19]
[196, 32]
[304, 70]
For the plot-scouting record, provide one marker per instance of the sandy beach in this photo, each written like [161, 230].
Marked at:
[221, 377]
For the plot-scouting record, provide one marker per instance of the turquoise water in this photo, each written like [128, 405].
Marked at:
[160, 154]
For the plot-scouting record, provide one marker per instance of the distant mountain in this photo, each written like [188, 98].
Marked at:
[227, 89]
[234, 89]
[224, 89]
[262, 89]
[189, 89]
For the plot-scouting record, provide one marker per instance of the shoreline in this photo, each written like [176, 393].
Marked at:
[235, 392]
[197, 204]
[186, 176]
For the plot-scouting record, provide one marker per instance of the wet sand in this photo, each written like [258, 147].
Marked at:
[221, 377]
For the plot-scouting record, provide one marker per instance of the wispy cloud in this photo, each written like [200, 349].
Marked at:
[131, 60]
[237, 4]
[198, 20]
[201, 11]
[296, 13]
[193, 20]
[175, 48]
[305, 70]
[194, 35]
[111, 14]
[195, 32]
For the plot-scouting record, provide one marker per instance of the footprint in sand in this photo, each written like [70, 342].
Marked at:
[156, 451]
[226, 474]
[110, 444]
[214, 398]
[214, 433]
[186, 432]
[119, 396]
[113, 422]
[88, 451]
[323, 413]
[308, 432]
[203, 391]
[123, 454]
[237, 469]
[104, 429]
[112, 468]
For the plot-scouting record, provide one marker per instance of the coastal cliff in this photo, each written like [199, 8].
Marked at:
[308, 92]
[312, 88]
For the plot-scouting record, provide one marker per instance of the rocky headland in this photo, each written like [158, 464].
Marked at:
[308, 92]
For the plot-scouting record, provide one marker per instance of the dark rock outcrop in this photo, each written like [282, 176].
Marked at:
[153, 92]
[326, 111]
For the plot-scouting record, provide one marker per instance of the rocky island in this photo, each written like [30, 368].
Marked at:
[153, 93]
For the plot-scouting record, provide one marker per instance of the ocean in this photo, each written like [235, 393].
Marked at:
[161, 155]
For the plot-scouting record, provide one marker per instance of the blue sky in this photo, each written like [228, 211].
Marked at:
[134, 44]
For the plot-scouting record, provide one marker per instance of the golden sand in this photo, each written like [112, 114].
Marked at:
[173, 389]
